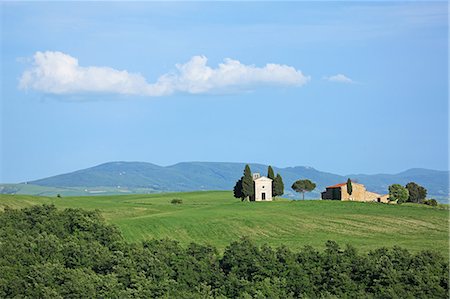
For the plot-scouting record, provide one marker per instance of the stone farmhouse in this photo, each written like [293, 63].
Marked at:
[263, 188]
[359, 193]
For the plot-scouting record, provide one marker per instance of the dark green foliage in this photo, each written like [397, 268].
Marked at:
[278, 186]
[398, 193]
[349, 186]
[417, 193]
[270, 173]
[430, 202]
[303, 186]
[50, 253]
[237, 190]
[247, 183]
[176, 201]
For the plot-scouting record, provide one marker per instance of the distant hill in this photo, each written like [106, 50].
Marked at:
[141, 177]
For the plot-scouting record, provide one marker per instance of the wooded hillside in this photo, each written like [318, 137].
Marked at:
[51, 253]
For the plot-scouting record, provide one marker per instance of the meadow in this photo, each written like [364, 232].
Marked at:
[216, 218]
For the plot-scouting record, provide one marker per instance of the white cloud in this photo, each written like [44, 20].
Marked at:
[59, 73]
[340, 78]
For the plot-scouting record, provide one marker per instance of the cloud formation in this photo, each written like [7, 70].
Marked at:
[59, 73]
[339, 78]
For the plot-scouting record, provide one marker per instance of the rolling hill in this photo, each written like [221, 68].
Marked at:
[216, 218]
[141, 177]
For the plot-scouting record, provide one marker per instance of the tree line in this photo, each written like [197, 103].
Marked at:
[72, 253]
[411, 192]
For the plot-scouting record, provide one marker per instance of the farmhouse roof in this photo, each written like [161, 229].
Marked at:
[337, 185]
[340, 185]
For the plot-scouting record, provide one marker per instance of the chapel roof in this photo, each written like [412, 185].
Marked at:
[263, 178]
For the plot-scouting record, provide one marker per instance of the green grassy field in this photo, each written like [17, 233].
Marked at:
[217, 218]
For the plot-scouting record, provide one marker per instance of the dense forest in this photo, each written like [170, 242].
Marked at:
[50, 253]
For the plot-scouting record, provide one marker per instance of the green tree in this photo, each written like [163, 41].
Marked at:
[247, 183]
[237, 190]
[303, 186]
[278, 186]
[349, 186]
[417, 193]
[398, 193]
[270, 173]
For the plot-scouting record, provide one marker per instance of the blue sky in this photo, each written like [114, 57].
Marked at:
[343, 87]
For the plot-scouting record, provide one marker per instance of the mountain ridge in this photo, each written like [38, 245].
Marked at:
[196, 175]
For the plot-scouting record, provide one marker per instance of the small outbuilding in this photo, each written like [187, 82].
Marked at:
[263, 188]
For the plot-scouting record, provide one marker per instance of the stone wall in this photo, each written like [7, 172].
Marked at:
[359, 193]
[371, 196]
[384, 198]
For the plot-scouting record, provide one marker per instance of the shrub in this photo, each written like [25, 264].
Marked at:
[431, 202]
[176, 201]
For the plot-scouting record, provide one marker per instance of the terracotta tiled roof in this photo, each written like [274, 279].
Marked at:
[337, 185]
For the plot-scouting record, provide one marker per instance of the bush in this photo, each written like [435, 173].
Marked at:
[176, 201]
[431, 202]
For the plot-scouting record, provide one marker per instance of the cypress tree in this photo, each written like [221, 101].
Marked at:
[278, 186]
[237, 190]
[349, 186]
[247, 183]
[271, 176]
[270, 173]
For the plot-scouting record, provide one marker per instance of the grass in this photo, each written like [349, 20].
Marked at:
[217, 218]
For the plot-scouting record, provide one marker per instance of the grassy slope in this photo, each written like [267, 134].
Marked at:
[216, 218]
